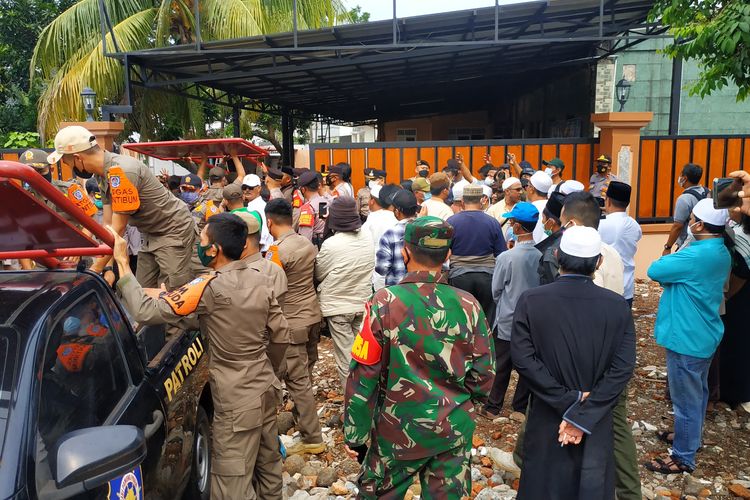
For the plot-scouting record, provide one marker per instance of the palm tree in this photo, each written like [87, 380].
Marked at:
[69, 55]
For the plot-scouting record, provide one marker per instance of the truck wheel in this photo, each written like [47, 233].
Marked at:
[199, 486]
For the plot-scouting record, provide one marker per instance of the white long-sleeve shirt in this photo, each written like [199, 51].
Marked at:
[622, 232]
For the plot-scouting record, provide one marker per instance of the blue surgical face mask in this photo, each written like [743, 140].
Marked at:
[98, 204]
[189, 197]
[427, 196]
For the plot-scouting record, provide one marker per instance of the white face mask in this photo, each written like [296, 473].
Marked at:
[489, 181]
[548, 171]
[372, 184]
[681, 181]
[690, 230]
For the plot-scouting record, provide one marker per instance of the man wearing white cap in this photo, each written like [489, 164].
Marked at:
[512, 190]
[131, 194]
[576, 358]
[689, 327]
[566, 187]
[251, 187]
[539, 185]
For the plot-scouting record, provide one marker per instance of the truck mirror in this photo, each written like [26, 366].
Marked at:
[95, 455]
[151, 340]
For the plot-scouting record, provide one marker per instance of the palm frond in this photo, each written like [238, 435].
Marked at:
[226, 19]
[90, 67]
[75, 29]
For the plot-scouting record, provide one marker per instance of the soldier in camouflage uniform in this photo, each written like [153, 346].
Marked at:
[413, 385]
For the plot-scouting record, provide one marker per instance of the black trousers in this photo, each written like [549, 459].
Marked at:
[503, 367]
[480, 286]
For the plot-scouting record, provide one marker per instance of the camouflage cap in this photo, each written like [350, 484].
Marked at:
[429, 232]
[35, 158]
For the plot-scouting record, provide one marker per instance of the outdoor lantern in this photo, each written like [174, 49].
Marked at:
[623, 92]
[89, 103]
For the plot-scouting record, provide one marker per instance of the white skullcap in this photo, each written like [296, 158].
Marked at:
[705, 211]
[486, 191]
[458, 191]
[375, 191]
[541, 181]
[510, 181]
[571, 186]
[251, 180]
[581, 241]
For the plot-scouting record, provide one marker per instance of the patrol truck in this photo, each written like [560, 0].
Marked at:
[90, 405]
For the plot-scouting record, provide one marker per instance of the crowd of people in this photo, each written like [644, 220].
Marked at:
[433, 290]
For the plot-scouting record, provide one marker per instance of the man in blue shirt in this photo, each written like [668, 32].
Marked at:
[477, 240]
[688, 326]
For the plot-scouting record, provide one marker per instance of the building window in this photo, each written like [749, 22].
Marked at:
[406, 134]
[466, 134]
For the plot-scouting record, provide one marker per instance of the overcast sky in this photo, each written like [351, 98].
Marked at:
[383, 9]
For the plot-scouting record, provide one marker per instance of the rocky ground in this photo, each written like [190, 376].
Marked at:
[723, 464]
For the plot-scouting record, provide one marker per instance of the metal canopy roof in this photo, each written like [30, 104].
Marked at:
[395, 69]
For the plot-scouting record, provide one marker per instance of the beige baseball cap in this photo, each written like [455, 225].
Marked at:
[69, 140]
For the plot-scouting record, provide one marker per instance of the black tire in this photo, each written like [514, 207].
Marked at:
[199, 485]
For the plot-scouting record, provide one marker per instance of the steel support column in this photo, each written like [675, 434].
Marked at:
[674, 97]
[287, 138]
[236, 121]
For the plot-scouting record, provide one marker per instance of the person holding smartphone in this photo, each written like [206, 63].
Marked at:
[312, 213]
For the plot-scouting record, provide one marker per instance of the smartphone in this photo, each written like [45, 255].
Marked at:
[323, 209]
[725, 192]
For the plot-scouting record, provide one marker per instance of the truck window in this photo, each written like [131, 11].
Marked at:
[7, 336]
[84, 377]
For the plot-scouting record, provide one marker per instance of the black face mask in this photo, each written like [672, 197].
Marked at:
[601, 169]
[47, 176]
[424, 173]
[81, 173]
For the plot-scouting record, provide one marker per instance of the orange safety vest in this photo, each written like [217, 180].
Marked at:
[73, 355]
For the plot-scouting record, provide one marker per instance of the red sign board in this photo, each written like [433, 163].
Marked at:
[212, 148]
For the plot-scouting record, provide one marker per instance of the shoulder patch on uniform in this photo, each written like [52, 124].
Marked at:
[79, 199]
[211, 209]
[123, 193]
[366, 349]
[185, 300]
[306, 216]
[273, 255]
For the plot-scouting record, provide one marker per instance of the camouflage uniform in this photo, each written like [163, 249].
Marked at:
[413, 385]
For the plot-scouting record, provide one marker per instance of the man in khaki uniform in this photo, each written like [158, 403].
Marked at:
[254, 260]
[296, 255]
[37, 159]
[209, 203]
[131, 194]
[233, 306]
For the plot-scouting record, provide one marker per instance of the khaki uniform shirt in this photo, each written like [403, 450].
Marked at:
[598, 184]
[318, 223]
[162, 219]
[297, 255]
[61, 186]
[234, 310]
[270, 270]
[207, 205]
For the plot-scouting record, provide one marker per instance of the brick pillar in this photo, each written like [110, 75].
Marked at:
[620, 137]
[105, 133]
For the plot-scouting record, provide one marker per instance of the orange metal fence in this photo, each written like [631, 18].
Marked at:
[399, 159]
[661, 161]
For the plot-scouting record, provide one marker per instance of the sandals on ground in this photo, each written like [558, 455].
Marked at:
[668, 466]
[664, 436]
